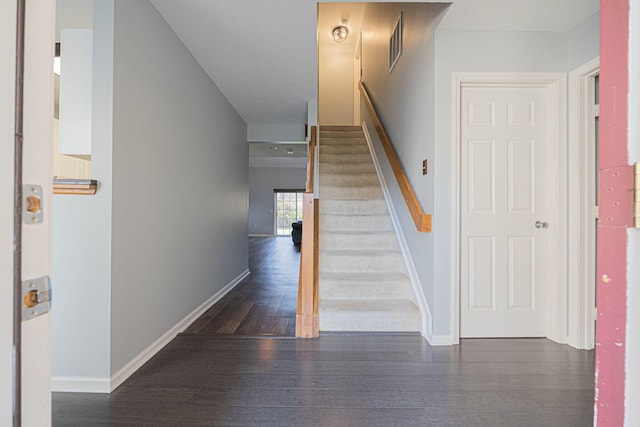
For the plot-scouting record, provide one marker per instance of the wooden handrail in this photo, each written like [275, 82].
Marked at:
[307, 325]
[421, 219]
[311, 158]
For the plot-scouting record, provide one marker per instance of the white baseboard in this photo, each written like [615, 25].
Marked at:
[438, 340]
[127, 370]
[261, 235]
[107, 385]
[427, 319]
[80, 384]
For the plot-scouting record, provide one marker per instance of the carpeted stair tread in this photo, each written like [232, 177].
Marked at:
[362, 273]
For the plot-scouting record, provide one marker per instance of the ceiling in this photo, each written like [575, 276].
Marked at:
[262, 53]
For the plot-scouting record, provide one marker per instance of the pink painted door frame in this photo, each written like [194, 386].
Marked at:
[616, 181]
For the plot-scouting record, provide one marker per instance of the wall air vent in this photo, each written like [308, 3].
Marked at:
[395, 43]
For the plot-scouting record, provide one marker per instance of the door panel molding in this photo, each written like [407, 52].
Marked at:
[555, 84]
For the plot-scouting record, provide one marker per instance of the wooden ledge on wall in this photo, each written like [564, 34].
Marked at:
[75, 186]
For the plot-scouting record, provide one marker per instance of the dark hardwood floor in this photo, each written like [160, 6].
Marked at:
[212, 375]
[263, 304]
[344, 380]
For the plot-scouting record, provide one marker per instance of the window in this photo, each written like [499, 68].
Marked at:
[395, 43]
[288, 210]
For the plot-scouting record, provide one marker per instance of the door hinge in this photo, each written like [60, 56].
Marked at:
[36, 297]
[595, 313]
[636, 195]
[596, 212]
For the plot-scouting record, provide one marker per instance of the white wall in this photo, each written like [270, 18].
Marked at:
[75, 91]
[335, 85]
[7, 91]
[467, 51]
[180, 183]
[405, 102]
[584, 42]
[262, 182]
[81, 260]
[275, 132]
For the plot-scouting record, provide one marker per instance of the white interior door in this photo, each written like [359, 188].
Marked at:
[504, 226]
[34, 386]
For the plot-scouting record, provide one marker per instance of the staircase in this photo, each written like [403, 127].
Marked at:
[362, 275]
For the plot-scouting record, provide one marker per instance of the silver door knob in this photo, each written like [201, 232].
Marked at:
[542, 224]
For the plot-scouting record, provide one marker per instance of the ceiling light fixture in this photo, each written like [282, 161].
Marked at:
[290, 151]
[339, 33]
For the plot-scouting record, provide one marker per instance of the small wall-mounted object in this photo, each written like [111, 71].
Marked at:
[75, 186]
[424, 166]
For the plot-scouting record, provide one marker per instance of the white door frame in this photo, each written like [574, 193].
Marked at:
[556, 89]
[8, 15]
[581, 276]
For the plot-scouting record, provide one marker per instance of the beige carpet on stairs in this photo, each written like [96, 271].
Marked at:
[363, 281]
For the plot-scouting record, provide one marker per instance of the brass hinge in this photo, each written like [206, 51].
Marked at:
[636, 196]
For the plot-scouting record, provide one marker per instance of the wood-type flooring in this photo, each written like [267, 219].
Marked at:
[263, 304]
[213, 377]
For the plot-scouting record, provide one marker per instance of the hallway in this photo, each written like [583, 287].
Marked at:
[211, 375]
[264, 303]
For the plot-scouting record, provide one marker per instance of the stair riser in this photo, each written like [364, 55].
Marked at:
[362, 193]
[369, 321]
[344, 149]
[349, 180]
[340, 128]
[370, 223]
[377, 241]
[353, 207]
[337, 135]
[346, 158]
[361, 263]
[346, 169]
[362, 289]
[342, 143]
[342, 290]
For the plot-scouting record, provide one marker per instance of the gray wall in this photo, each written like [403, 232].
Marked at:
[262, 182]
[81, 244]
[405, 102]
[180, 183]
